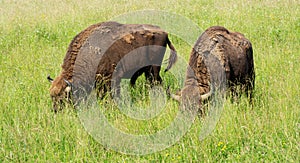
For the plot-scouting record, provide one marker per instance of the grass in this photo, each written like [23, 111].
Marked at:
[34, 36]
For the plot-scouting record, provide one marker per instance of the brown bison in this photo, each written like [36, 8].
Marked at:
[220, 55]
[99, 56]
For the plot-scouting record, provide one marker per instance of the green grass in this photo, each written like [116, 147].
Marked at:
[34, 36]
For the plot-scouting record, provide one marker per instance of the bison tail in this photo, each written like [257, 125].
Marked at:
[173, 55]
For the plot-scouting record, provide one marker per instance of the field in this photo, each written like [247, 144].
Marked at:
[34, 36]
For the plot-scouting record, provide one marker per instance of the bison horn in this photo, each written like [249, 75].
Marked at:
[49, 79]
[207, 95]
[68, 83]
[173, 96]
[203, 97]
[69, 86]
[176, 97]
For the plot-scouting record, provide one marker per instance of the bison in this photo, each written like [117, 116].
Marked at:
[220, 56]
[99, 56]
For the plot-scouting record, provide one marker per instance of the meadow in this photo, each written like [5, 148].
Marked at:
[34, 36]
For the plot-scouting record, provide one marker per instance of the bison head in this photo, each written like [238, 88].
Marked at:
[60, 92]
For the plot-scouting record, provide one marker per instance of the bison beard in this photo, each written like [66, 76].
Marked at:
[98, 57]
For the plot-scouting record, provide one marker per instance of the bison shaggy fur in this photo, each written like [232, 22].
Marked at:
[102, 54]
[220, 55]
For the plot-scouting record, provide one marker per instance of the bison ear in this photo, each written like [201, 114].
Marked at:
[49, 79]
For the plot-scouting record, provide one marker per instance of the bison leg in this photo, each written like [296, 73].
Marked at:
[152, 75]
[250, 89]
[116, 87]
[102, 88]
[148, 74]
[102, 85]
[235, 91]
[156, 76]
[135, 76]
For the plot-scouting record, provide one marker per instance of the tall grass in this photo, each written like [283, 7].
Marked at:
[34, 36]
